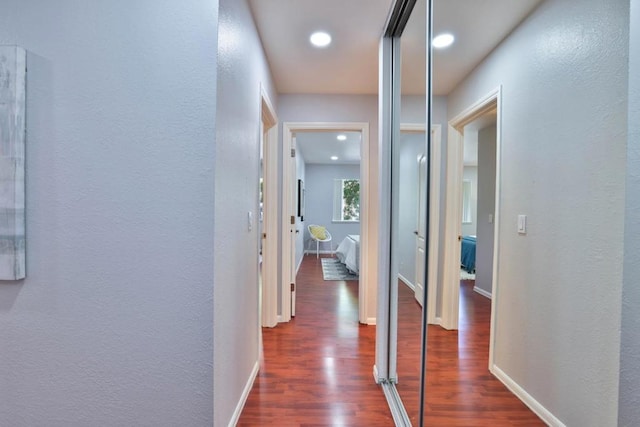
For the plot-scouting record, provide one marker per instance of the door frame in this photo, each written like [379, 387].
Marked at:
[434, 217]
[269, 295]
[453, 209]
[366, 289]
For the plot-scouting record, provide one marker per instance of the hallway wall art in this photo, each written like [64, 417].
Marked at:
[12, 162]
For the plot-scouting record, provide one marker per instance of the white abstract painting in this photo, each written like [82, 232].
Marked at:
[12, 158]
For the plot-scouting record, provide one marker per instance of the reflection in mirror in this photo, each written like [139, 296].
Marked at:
[411, 187]
[409, 181]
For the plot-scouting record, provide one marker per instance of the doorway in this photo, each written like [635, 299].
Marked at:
[291, 219]
[486, 108]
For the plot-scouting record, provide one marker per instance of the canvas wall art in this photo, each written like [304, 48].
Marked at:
[12, 161]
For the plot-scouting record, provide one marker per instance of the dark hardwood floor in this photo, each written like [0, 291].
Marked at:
[460, 389]
[317, 369]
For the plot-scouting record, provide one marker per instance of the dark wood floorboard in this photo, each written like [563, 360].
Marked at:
[460, 389]
[317, 369]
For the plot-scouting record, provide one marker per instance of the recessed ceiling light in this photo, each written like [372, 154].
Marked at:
[342, 137]
[320, 39]
[334, 157]
[443, 40]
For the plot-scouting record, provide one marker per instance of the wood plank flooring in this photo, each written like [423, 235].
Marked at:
[460, 389]
[317, 369]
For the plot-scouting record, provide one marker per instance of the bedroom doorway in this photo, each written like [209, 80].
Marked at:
[483, 120]
[297, 220]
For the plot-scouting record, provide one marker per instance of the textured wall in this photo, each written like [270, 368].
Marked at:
[112, 325]
[563, 164]
[242, 69]
[629, 405]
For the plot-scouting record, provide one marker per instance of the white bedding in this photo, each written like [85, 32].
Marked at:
[348, 252]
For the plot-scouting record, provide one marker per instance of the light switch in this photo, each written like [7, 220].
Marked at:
[250, 220]
[522, 224]
[490, 218]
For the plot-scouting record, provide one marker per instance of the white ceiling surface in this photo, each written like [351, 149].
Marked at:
[350, 64]
[318, 147]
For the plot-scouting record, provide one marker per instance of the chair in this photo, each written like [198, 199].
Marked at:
[319, 234]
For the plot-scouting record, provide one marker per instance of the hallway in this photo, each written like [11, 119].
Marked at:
[317, 369]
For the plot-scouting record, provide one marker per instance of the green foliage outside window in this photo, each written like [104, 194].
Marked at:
[351, 200]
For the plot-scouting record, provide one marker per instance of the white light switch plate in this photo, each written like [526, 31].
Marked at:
[250, 220]
[522, 224]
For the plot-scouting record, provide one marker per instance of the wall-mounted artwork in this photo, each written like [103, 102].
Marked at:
[13, 72]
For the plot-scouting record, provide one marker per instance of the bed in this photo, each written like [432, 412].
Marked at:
[468, 254]
[348, 252]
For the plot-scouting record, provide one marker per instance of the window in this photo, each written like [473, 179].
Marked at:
[466, 201]
[346, 200]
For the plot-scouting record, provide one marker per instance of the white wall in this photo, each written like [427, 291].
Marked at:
[113, 324]
[486, 207]
[242, 70]
[320, 184]
[563, 164]
[629, 405]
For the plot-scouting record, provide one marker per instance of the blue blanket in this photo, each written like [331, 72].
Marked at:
[468, 254]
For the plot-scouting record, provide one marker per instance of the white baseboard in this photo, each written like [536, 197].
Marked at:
[526, 398]
[245, 395]
[375, 374]
[279, 318]
[482, 292]
[313, 252]
[436, 321]
[371, 321]
[407, 282]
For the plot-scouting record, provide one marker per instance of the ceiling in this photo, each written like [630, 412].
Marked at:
[318, 147]
[350, 64]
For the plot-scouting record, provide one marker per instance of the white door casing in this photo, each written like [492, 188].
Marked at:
[269, 291]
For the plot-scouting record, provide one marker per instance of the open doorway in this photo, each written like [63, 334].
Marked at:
[480, 123]
[296, 234]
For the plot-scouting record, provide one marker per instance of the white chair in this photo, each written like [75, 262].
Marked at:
[319, 234]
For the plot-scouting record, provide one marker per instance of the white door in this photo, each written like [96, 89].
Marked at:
[293, 226]
[421, 229]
